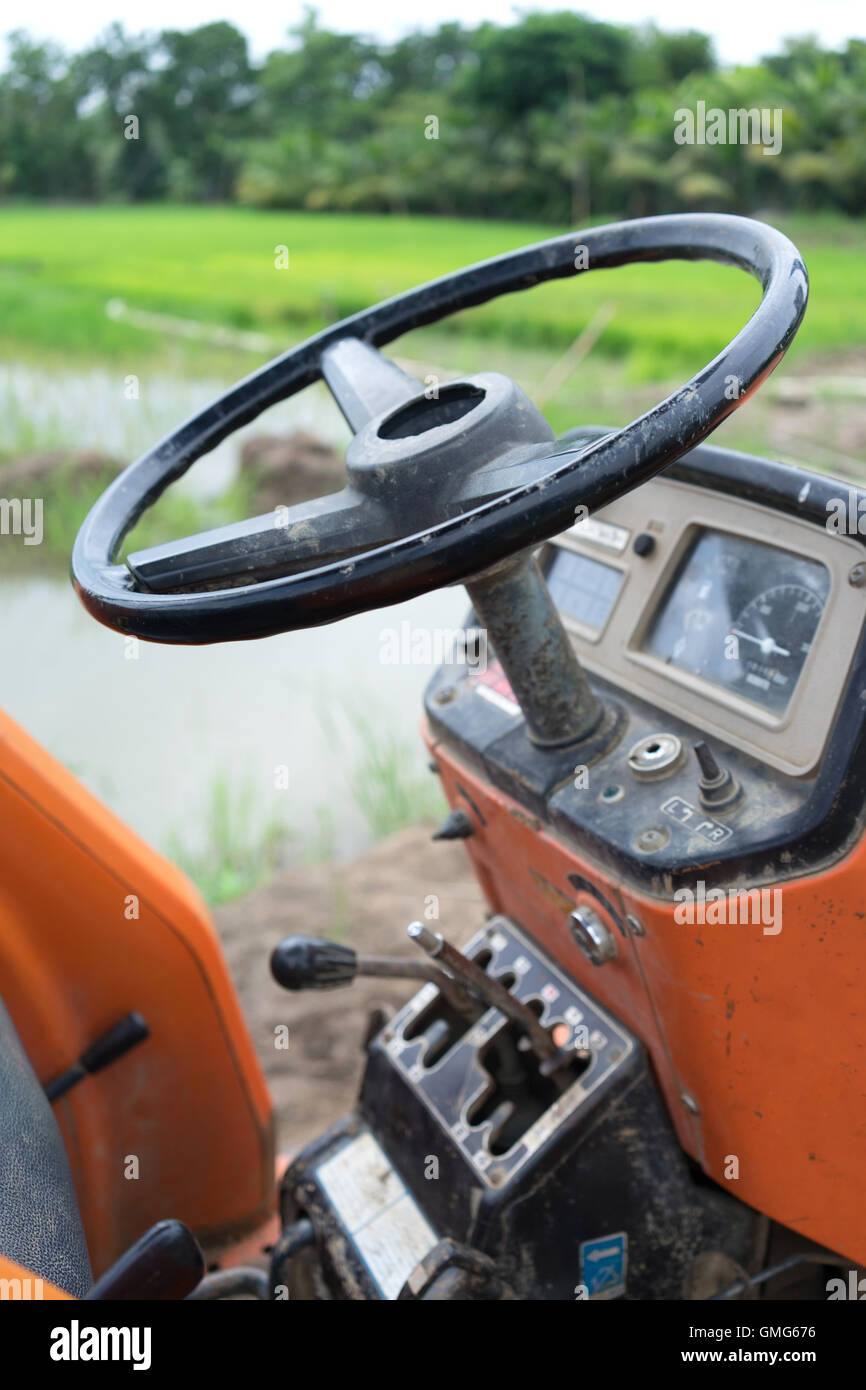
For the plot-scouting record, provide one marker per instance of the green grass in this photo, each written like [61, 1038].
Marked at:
[385, 783]
[385, 788]
[238, 849]
[60, 265]
[240, 852]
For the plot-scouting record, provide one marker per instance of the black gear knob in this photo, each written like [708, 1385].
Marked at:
[308, 962]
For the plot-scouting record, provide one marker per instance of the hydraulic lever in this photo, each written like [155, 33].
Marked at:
[308, 962]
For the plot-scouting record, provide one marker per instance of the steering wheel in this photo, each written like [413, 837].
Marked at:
[443, 483]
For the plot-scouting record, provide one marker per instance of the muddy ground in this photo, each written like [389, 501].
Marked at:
[366, 903]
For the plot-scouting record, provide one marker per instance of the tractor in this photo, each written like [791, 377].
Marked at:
[637, 1076]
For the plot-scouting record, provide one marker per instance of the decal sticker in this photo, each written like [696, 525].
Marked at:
[387, 1227]
[603, 1265]
[696, 821]
[603, 533]
[493, 684]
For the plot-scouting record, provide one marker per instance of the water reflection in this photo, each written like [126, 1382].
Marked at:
[151, 735]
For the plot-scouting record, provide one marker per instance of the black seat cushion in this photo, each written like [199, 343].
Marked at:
[40, 1224]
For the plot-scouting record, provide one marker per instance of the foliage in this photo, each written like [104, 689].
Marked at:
[216, 265]
[550, 117]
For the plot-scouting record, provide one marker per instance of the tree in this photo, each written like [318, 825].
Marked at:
[43, 152]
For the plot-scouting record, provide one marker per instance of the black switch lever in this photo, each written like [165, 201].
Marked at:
[456, 826]
[308, 962]
[165, 1263]
[128, 1033]
[716, 786]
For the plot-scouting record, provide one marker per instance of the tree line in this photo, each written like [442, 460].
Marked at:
[553, 117]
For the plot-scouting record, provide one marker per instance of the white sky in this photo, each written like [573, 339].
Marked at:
[742, 29]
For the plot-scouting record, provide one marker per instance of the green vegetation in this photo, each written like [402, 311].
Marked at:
[550, 116]
[240, 852]
[60, 267]
[239, 848]
[385, 786]
[215, 265]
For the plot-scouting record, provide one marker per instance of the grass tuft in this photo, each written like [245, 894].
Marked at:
[388, 791]
[240, 852]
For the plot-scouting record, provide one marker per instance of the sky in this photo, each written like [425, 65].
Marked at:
[742, 30]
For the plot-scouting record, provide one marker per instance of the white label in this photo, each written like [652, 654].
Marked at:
[388, 1228]
[494, 698]
[603, 533]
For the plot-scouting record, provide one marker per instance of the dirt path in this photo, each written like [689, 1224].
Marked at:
[367, 903]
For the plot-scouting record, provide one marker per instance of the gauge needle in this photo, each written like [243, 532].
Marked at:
[767, 645]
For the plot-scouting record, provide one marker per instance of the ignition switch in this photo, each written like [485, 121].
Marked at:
[596, 941]
[655, 756]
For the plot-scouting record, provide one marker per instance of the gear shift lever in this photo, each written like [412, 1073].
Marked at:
[494, 993]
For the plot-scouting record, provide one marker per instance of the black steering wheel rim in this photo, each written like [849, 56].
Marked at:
[456, 548]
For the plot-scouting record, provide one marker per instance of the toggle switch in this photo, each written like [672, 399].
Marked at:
[716, 785]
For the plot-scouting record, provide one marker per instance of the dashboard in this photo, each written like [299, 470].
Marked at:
[722, 623]
[737, 618]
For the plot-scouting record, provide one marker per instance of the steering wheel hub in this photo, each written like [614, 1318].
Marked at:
[415, 459]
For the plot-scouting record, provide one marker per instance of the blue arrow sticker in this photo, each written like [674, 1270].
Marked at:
[603, 1265]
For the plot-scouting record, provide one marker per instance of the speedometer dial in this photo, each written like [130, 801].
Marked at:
[741, 616]
[773, 636]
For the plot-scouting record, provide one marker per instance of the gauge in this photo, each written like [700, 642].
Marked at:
[774, 634]
[741, 616]
[581, 588]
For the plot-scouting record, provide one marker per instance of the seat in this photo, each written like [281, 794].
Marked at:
[40, 1224]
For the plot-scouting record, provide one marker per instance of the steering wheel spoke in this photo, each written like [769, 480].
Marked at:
[497, 479]
[265, 547]
[363, 382]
